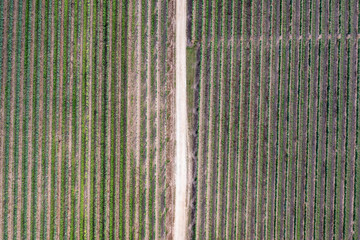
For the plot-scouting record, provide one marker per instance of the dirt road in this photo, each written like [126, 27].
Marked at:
[181, 122]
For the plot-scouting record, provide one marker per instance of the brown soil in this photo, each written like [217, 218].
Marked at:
[2, 111]
[21, 114]
[130, 128]
[11, 154]
[51, 92]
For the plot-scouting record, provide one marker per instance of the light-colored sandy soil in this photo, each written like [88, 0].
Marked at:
[181, 122]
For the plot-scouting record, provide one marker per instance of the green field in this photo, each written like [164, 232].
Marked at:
[85, 147]
[273, 105]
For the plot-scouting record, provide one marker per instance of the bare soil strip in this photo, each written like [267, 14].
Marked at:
[303, 118]
[332, 125]
[282, 126]
[263, 121]
[341, 147]
[50, 137]
[108, 133]
[137, 78]
[89, 113]
[119, 111]
[39, 205]
[70, 138]
[273, 118]
[181, 116]
[352, 102]
[313, 101]
[2, 112]
[202, 133]
[148, 167]
[21, 125]
[323, 118]
[170, 111]
[79, 110]
[243, 124]
[30, 121]
[99, 109]
[59, 136]
[253, 122]
[233, 124]
[220, 205]
[12, 130]
[293, 122]
[158, 127]
[212, 146]
[130, 126]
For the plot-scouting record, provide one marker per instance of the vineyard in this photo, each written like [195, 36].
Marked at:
[273, 106]
[86, 119]
[179, 119]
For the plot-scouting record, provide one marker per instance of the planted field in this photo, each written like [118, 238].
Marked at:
[86, 119]
[273, 106]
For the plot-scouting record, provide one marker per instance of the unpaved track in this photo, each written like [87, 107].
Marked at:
[12, 130]
[180, 225]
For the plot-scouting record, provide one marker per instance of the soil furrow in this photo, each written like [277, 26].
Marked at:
[71, 144]
[293, 123]
[273, 121]
[130, 127]
[243, 123]
[202, 132]
[341, 147]
[303, 116]
[219, 233]
[253, 122]
[21, 126]
[89, 114]
[211, 157]
[313, 103]
[170, 121]
[148, 169]
[158, 233]
[30, 121]
[137, 77]
[12, 116]
[119, 116]
[99, 123]
[49, 215]
[332, 124]
[323, 116]
[108, 134]
[263, 120]
[2, 112]
[79, 113]
[352, 102]
[233, 126]
[39, 205]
